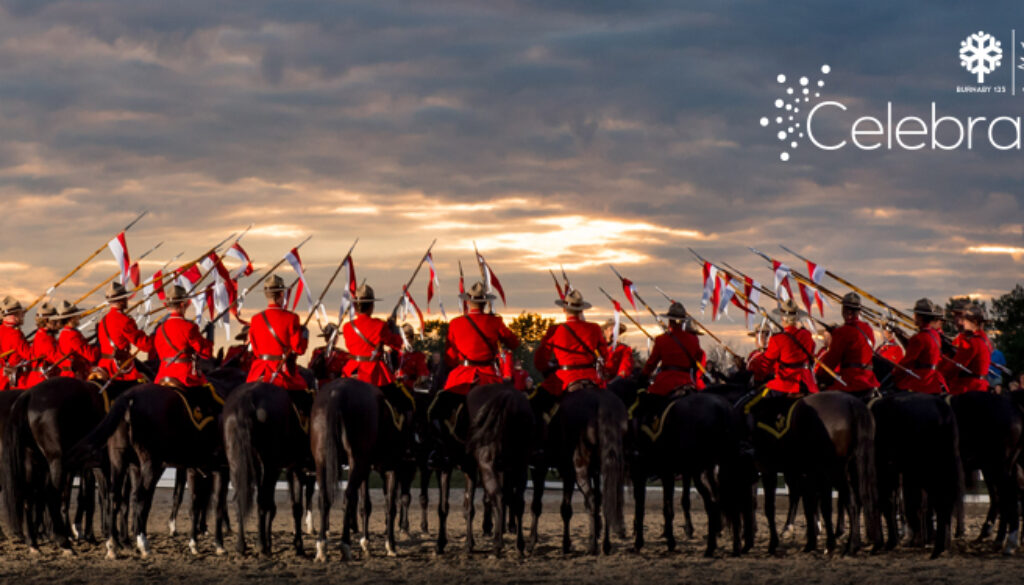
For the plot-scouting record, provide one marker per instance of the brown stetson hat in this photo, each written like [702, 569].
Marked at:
[10, 305]
[274, 284]
[611, 323]
[477, 294]
[574, 301]
[328, 331]
[676, 312]
[67, 310]
[927, 308]
[116, 292]
[243, 335]
[974, 312]
[176, 294]
[364, 294]
[851, 300]
[789, 308]
[46, 311]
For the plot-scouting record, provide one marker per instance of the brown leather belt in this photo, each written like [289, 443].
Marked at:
[364, 358]
[671, 368]
[270, 357]
[482, 363]
[169, 361]
[579, 367]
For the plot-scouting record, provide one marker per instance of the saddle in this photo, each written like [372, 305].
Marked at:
[196, 413]
[397, 418]
[772, 414]
[654, 429]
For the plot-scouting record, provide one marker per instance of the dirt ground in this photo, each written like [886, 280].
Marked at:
[171, 562]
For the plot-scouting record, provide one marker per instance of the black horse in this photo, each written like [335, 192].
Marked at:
[702, 437]
[584, 442]
[152, 426]
[43, 425]
[823, 440]
[352, 424]
[990, 432]
[264, 436]
[501, 440]
[917, 445]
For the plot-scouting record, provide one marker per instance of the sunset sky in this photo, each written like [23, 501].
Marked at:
[578, 133]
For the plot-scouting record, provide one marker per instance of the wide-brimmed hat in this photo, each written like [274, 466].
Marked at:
[851, 300]
[243, 335]
[927, 308]
[676, 312]
[328, 331]
[10, 305]
[611, 323]
[364, 295]
[46, 311]
[408, 330]
[68, 310]
[958, 306]
[974, 312]
[176, 294]
[789, 308]
[116, 292]
[477, 294]
[274, 284]
[890, 325]
[574, 301]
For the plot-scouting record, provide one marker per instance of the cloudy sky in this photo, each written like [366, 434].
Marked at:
[579, 132]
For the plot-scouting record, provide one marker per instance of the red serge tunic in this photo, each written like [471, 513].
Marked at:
[974, 352]
[473, 360]
[274, 334]
[922, 357]
[44, 354]
[12, 339]
[891, 351]
[176, 341]
[335, 366]
[81, 356]
[620, 362]
[413, 366]
[575, 361]
[364, 338]
[790, 363]
[116, 334]
[850, 355]
[678, 352]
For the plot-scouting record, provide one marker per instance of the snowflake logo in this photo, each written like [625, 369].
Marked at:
[980, 54]
[1021, 66]
[789, 130]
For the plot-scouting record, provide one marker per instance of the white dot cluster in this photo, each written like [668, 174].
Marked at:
[803, 96]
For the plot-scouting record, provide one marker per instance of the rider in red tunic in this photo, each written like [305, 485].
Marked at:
[620, 359]
[412, 364]
[571, 354]
[116, 334]
[788, 355]
[328, 361]
[238, 355]
[71, 343]
[366, 337]
[179, 344]
[974, 352]
[13, 345]
[850, 352]
[678, 358]
[44, 345]
[277, 337]
[891, 349]
[923, 353]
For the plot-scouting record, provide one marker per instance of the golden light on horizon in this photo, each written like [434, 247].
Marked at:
[1015, 251]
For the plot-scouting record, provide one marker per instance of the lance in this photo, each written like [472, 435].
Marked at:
[619, 308]
[113, 276]
[408, 284]
[657, 319]
[50, 290]
[855, 288]
[701, 325]
[121, 368]
[483, 276]
[558, 287]
[330, 282]
[462, 285]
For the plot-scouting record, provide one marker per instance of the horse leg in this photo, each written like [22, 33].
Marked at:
[493, 500]
[668, 485]
[711, 508]
[54, 492]
[142, 499]
[1010, 515]
[296, 492]
[769, 479]
[367, 508]
[789, 528]
[406, 474]
[444, 479]
[180, 479]
[267, 508]
[424, 498]
[824, 490]
[468, 508]
[390, 507]
[808, 489]
[639, 506]
[220, 490]
[844, 503]
[537, 503]
[325, 507]
[201, 491]
[854, 504]
[684, 503]
[568, 485]
[356, 476]
[309, 484]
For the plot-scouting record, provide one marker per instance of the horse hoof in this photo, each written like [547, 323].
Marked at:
[1011, 545]
[219, 551]
[172, 527]
[309, 522]
[143, 545]
[688, 531]
[346, 552]
[788, 531]
[193, 547]
[67, 552]
[391, 550]
[364, 543]
[75, 532]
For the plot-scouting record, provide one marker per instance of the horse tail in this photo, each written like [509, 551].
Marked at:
[610, 427]
[12, 466]
[867, 473]
[490, 423]
[86, 448]
[238, 447]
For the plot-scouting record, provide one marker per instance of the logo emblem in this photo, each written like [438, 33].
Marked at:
[786, 125]
[980, 54]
